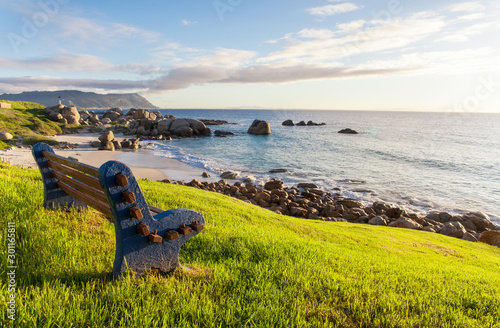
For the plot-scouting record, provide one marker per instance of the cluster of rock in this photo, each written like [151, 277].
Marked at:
[64, 114]
[107, 141]
[259, 127]
[301, 123]
[140, 122]
[307, 201]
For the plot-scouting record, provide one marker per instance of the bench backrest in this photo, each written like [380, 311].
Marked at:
[143, 241]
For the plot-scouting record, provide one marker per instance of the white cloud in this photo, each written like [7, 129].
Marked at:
[464, 34]
[376, 36]
[330, 10]
[186, 22]
[469, 7]
[313, 33]
[90, 32]
[61, 63]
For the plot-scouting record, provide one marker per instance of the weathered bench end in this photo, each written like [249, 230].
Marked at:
[54, 197]
[144, 242]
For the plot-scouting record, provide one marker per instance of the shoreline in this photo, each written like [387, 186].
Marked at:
[143, 162]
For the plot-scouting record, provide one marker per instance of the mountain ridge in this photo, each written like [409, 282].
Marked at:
[81, 99]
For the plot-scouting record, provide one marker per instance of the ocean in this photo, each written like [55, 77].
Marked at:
[420, 161]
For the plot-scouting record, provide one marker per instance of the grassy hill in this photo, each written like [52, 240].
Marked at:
[27, 120]
[250, 267]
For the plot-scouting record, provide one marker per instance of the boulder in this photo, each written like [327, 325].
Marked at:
[306, 185]
[260, 128]
[348, 131]
[54, 116]
[105, 120]
[117, 144]
[5, 136]
[491, 237]
[139, 114]
[94, 119]
[198, 127]
[95, 144]
[107, 145]
[112, 115]
[72, 120]
[301, 123]
[288, 123]
[453, 229]
[70, 111]
[107, 136]
[469, 237]
[178, 123]
[229, 175]
[219, 133]
[158, 114]
[349, 203]
[141, 131]
[126, 143]
[298, 211]
[407, 223]
[378, 220]
[117, 110]
[183, 131]
[205, 175]
[331, 211]
[393, 212]
[164, 126]
[480, 220]
[275, 184]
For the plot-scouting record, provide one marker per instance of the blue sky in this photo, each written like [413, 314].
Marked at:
[294, 54]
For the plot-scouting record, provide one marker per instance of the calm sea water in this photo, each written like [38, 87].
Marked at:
[422, 161]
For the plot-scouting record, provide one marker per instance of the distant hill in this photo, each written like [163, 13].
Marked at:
[82, 100]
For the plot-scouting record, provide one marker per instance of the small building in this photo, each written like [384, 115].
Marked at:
[4, 105]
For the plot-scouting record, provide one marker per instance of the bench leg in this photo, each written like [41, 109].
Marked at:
[144, 242]
[54, 197]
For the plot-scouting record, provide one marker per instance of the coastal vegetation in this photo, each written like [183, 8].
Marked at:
[27, 121]
[250, 267]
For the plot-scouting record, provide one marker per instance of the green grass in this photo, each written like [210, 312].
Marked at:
[250, 267]
[27, 120]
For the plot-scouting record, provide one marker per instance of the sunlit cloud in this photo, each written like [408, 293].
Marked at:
[330, 10]
[470, 7]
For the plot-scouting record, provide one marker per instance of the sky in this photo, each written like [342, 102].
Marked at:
[404, 55]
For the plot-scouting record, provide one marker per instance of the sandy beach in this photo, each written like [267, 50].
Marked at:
[143, 162]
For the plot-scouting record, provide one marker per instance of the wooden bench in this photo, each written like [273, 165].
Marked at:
[147, 237]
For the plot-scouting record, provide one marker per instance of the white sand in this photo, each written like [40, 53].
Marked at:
[142, 162]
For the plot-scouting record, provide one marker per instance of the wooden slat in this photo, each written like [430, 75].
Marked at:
[93, 171]
[91, 191]
[155, 209]
[92, 202]
[91, 181]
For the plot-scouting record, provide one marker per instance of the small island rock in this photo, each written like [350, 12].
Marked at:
[260, 128]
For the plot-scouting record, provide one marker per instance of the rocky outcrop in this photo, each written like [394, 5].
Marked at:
[63, 114]
[260, 128]
[348, 131]
[288, 123]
